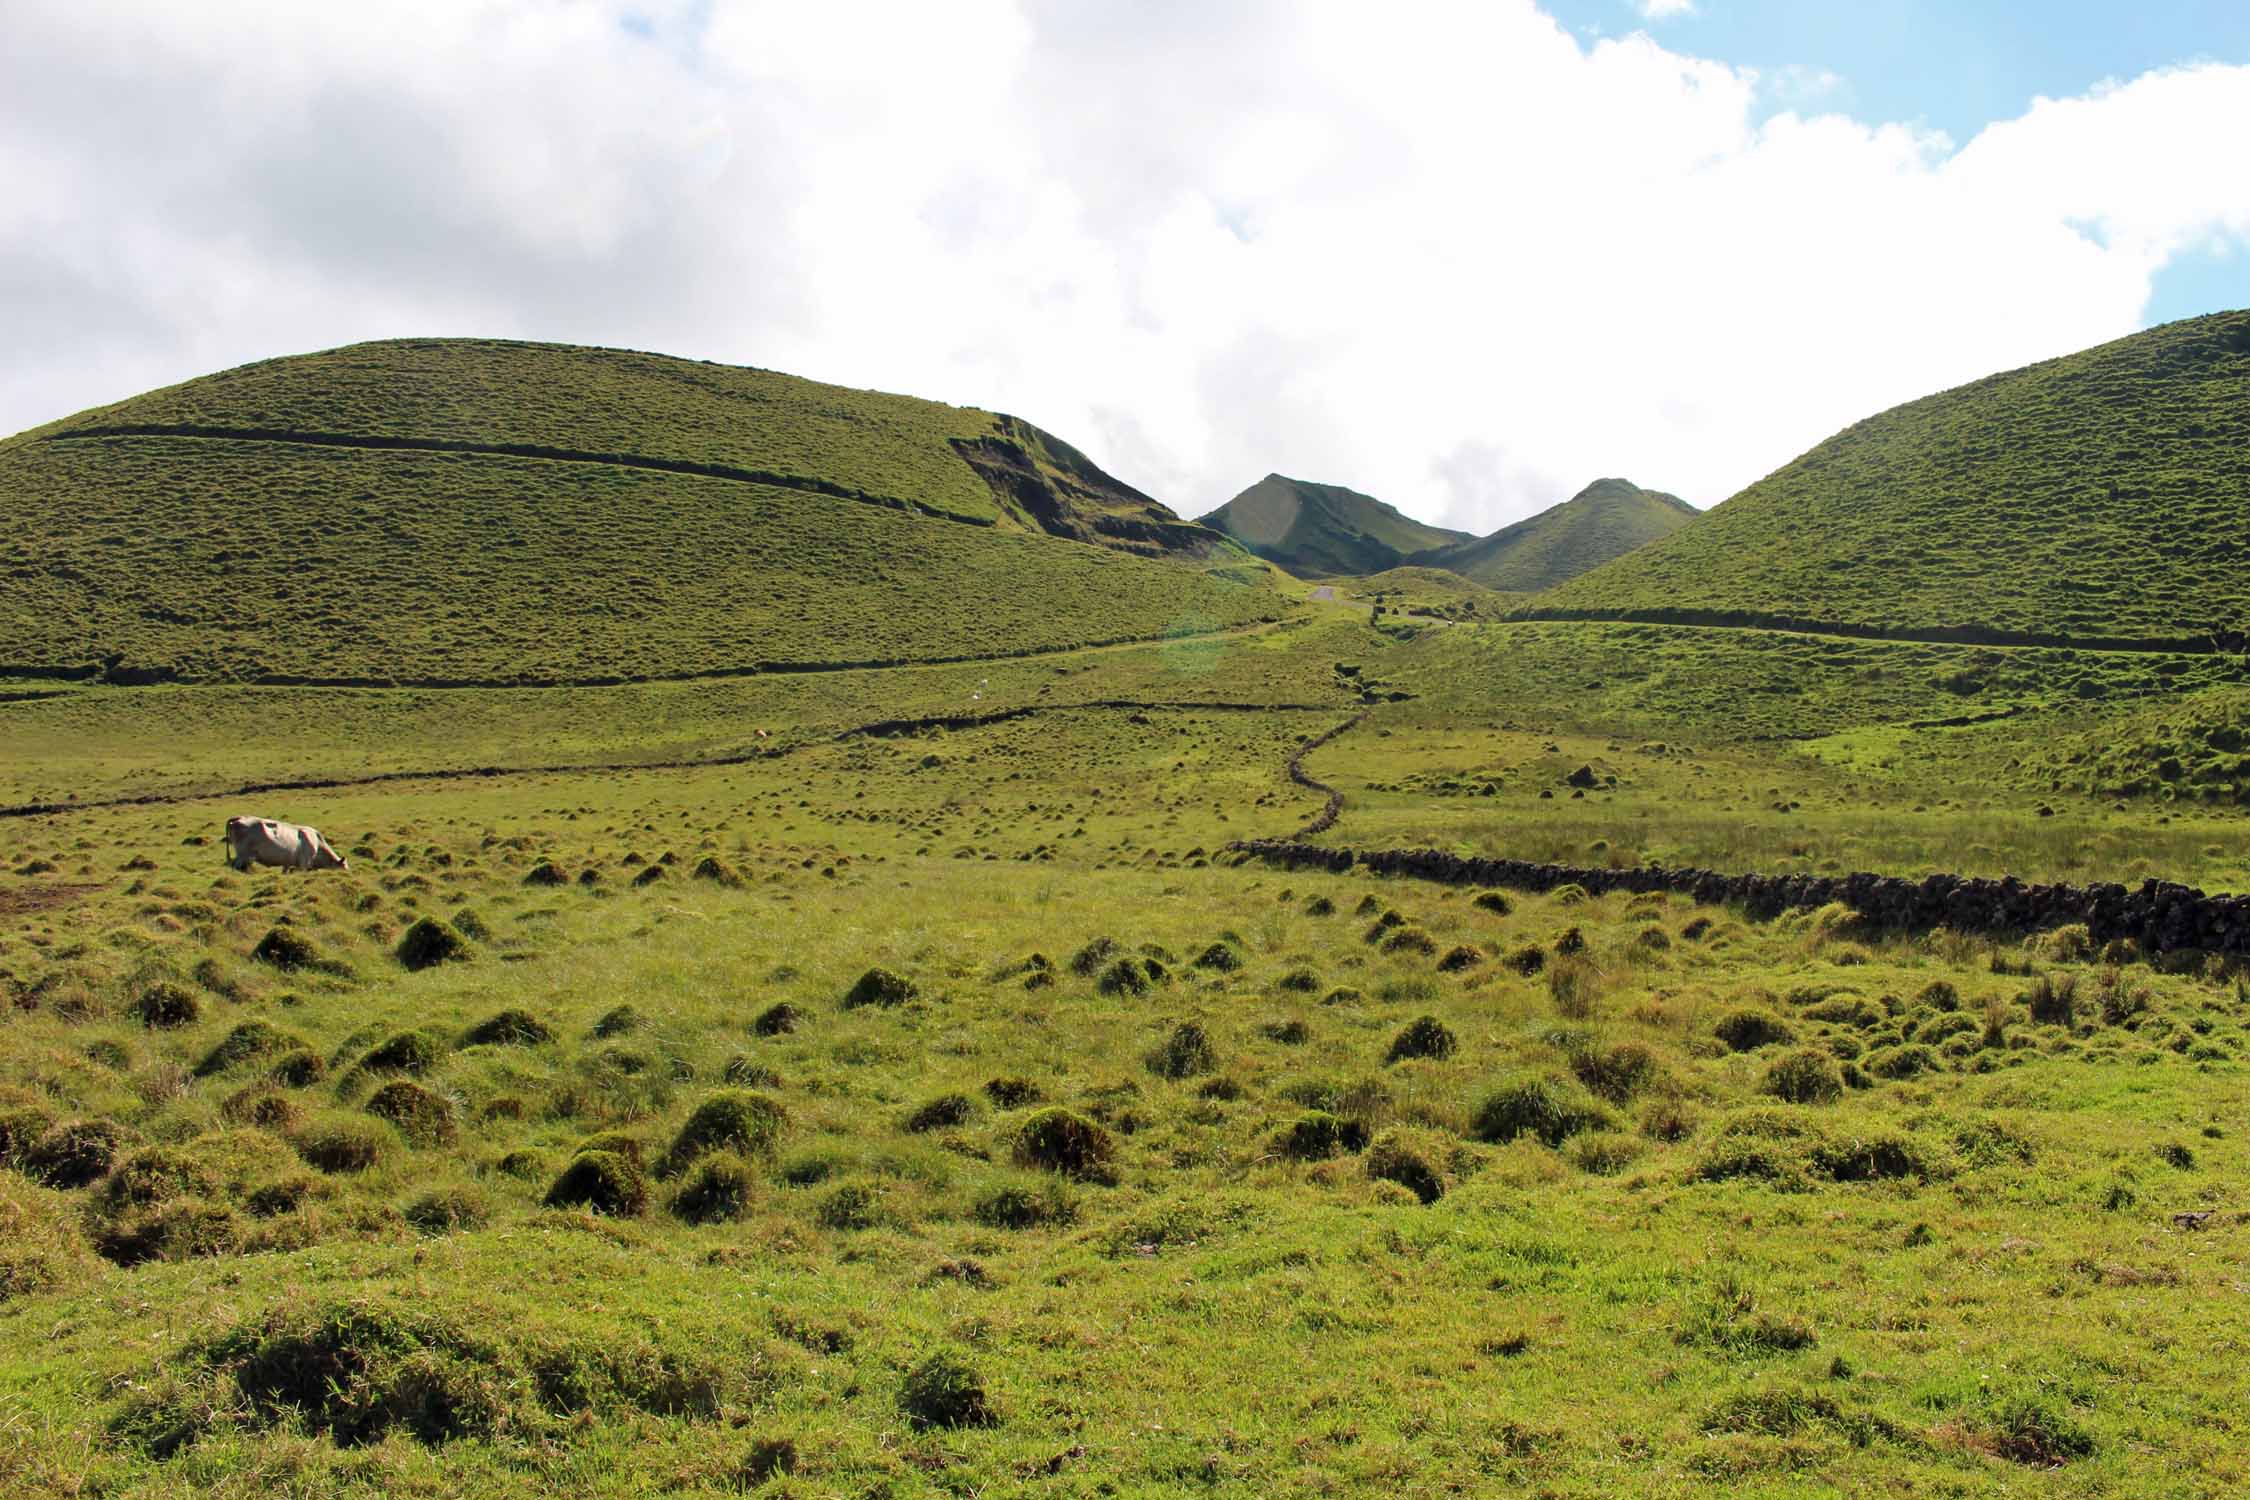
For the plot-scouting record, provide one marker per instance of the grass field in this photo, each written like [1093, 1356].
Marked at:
[2093, 497]
[1357, 1185]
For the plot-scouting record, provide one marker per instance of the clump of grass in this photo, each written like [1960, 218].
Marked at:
[720, 1189]
[1410, 1159]
[1130, 976]
[74, 1153]
[1617, 1074]
[618, 1020]
[880, 987]
[849, 1206]
[414, 1052]
[162, 1007]
[2036, 1431]
[449, 1211]
[286, 950]
[1546, 1109]
[1299, 982]
[778, 1019]
[1749, 1029]
[1186, 1053]
[737, 1120]
[1605, 1153]
[251, 1039]
[945, 1390]
[1025, 1206]
[1456, 959]
[430, 942]
[424, 1118]
[747, 1072]
[1495, 902]
[1425, 1036]
[339, 1144]
[2053, 999]
[546, 872]
[944, 1112]
[41, 1247]
[1726, 1318]
[261, 1106]
[1012, 1093]
[1317, 1135]
[298, 1068]
[1290, 1033]
[1087, 961]
[1575, 986]
[1528, 960]
[717, 871]
[1899, 1062]
[1409, 940]
[1219, 958]
[509, 1028]
[1806, 1076]
[602, 1181]
[1056, 1140]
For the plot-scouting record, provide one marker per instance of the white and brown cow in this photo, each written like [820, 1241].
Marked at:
[291, 846]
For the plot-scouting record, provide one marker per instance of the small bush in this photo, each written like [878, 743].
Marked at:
[1407, 1159]
[1748, 1030]
[1807, 1076]
[603, 1181]
[424, 1118]
[164, 1006]
[2053, 1000]
[2073, 944]
[342, 1144]
[1186, 1053]
[1012, 1093]
[945, 1390]
[720, 1189]
[429, 943]
[880, 987]
[944, 1112]
[1425, 1036]
[1058, 1141]
[777, 1020]
[449, 1210]
[509, 1028]
[746, 1123]
[1544, 1108]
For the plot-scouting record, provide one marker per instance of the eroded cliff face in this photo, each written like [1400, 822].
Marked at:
[1046, 485]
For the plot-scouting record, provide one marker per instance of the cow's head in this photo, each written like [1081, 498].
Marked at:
[326, 858]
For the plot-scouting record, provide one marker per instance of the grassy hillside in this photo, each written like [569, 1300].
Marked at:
[1323, 530]
[1605, 520]
[2100, 497]
[229, 556]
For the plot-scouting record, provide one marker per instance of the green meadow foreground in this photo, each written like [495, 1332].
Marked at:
[944, 1111]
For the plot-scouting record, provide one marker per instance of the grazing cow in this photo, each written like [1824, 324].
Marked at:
[291, 846]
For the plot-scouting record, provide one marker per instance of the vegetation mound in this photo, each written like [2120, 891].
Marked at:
[2093, 498]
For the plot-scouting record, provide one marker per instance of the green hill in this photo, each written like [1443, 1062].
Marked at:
[1605, 520]
[460, 510]
[2102, 498]
[1324, 530]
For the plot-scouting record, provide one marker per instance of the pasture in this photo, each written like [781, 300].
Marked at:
[943, 1110]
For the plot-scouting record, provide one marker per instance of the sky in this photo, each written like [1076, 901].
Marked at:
[1464, 256]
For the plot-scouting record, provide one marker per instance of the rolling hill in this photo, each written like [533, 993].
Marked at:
[476, 511]
[1605, 520]
[2101, 498]
[1324, 530]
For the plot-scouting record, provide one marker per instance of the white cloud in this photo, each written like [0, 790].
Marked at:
[1457, 260]
[1664, 10]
